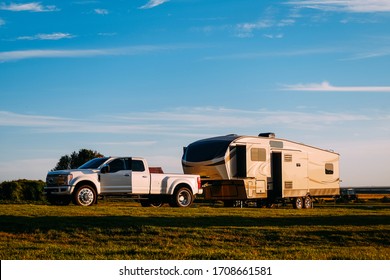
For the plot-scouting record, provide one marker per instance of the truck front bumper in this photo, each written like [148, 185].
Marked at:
[58, 190]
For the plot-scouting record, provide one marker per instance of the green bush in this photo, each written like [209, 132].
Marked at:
[22, 190]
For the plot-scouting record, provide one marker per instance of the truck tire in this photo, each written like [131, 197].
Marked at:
[85, 195]
[182, 197]
[298, 203]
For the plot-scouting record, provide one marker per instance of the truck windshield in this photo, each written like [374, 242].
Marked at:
[93, 163]
[208, 149]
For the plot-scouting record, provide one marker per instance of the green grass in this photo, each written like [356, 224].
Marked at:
[122, 230]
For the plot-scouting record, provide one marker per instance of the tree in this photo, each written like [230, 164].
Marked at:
[76, 159]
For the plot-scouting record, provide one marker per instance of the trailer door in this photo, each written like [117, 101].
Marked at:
[295, 174]
[241, 161]
[276, 175]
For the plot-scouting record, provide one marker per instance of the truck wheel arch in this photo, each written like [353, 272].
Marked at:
[182, 196]
[84, 185]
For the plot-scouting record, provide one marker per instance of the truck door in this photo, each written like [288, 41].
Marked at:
[140, 181]
[118, 179]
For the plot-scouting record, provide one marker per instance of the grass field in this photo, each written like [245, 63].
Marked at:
[123, 230]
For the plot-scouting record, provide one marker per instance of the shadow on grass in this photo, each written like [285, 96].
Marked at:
[16, 224]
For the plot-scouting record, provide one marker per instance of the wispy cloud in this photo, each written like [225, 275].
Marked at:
[28, 7]
[128, 143]
[184, 121]
[370, 54]
[352, 6]
[244, 30]
[287, 53]
[28, 54]
[101, 11]
[326, 86]
[2, 22]
[153, 3]
[52, 36]
[50, 53]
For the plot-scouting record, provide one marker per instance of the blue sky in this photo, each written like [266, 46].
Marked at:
[145, 78]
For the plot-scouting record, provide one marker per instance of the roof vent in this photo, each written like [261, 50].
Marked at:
[267, 134]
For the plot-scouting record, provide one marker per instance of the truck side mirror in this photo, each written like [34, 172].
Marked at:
[105, 169]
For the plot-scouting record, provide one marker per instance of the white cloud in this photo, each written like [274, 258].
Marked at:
[2, 22]
[370, 54]
[101, 11]
[244, 30]
[270, 19]
[27, 54]
[274, 36]
[128, 143]
[107, 34]
[153, 3]
[326, 86]
[27, 7]
[353, 6]
[50, 53]
[287, 53]
[52, 36]
[185, 121]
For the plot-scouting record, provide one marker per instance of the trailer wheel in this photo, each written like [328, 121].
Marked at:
[84, 195]
[298, 203]
[308, 203]
[182, 198]
[152, 203]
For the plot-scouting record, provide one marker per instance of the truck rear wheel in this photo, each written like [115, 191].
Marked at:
[84, 195]
[182, 198]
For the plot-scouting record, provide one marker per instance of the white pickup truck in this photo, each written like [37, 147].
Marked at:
[120, 176]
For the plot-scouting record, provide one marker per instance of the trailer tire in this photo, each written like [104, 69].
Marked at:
[298, 203]
[308, 203]
[85, 195]
[152, 203]
[182, 197]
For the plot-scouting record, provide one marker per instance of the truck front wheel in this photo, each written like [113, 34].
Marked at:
[84, 195]
[182, 197]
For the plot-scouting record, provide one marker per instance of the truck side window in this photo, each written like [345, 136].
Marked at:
[138, 165]
[117, 165]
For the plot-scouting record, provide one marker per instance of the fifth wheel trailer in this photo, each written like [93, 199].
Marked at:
[262, 169]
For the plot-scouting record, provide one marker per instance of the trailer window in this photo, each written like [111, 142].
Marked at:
[206, 150]
[276, 144]
[329, 168]
[258, 154]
